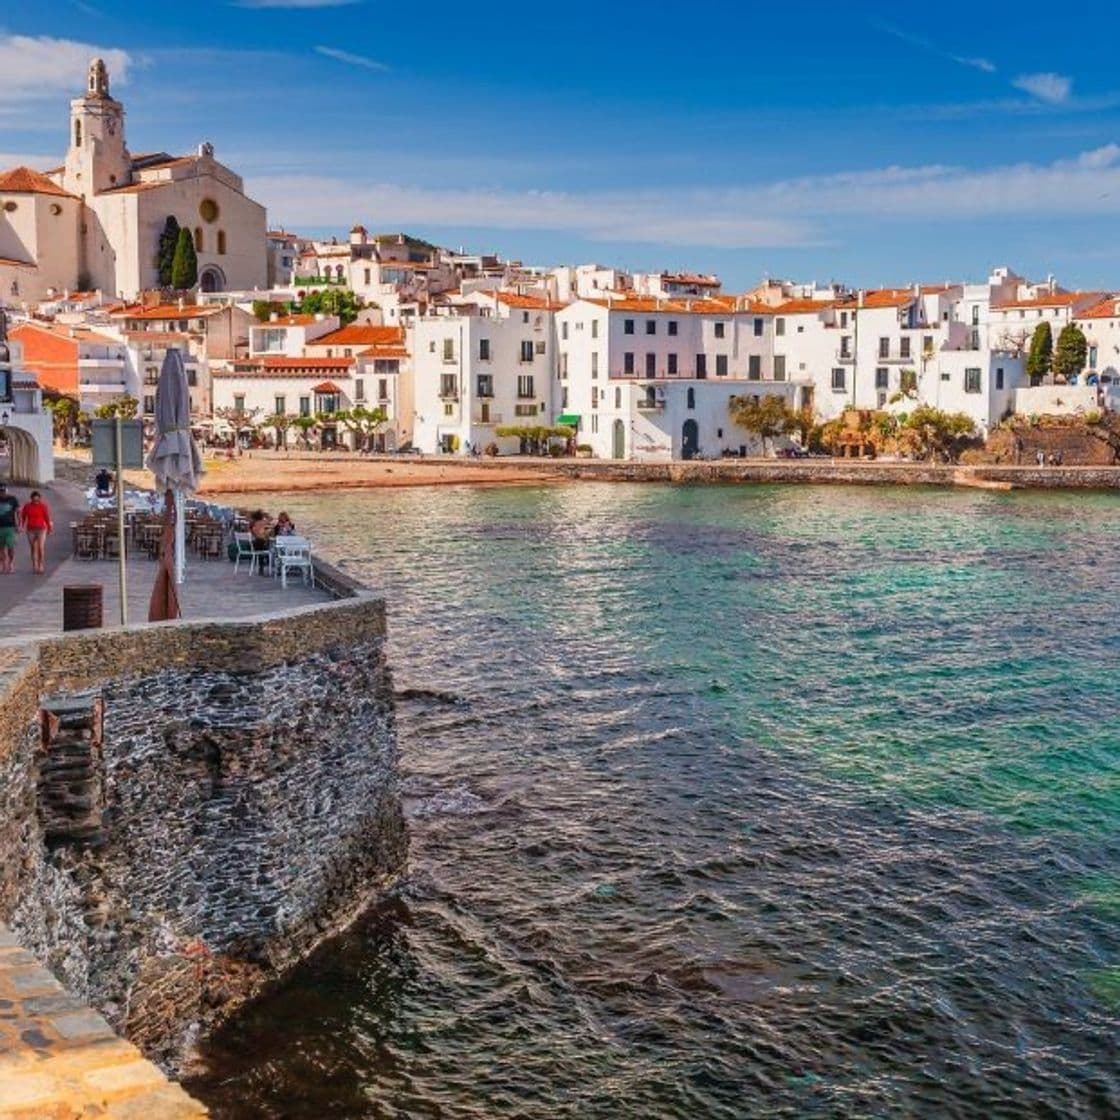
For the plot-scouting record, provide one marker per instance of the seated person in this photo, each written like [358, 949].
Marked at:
[104, 483]
[284, 526]
[260, 529]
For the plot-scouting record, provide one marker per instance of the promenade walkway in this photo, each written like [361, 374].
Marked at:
[61, 1061]
[32, 605]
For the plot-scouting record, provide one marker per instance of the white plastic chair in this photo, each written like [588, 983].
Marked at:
[293, 554]
[246, 551]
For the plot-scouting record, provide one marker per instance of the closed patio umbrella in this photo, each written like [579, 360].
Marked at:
[174, 458]
[164, 604]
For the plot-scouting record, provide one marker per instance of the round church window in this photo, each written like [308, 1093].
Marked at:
[208, 209]
[56, 209]
[9, 206]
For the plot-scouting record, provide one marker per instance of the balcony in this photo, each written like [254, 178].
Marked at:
[846, 357]
[100, 363]
[487, 417]
[651, 403]
[95, 388]
[449, 394]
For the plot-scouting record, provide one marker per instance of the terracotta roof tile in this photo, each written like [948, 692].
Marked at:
[166, 311]
[359, 334]
[23, 180]
[1108, 308]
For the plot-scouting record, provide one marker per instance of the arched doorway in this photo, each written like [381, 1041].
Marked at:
[21, 458]
[618, 440]
[690, 439]
[211, 279]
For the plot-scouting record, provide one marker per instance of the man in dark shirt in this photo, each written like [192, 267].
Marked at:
[104, 483]
[9, 524]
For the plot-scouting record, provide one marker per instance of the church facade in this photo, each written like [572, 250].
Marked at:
[95, 222]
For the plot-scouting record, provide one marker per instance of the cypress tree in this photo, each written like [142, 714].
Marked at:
[168, 240]
[1038, 358]
[184, 266]
[1071, 352]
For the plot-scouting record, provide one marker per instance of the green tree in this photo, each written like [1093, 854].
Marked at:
[935, 433]
[238, 418]
[363, 422]
[332, 301]
[767, 417]
[1039, 355]
[279, 422]
[304, 425]
[263, 308]
[1071, 352]
[184, 265]
[168, 240]
[535, 438]
[126, 408]
[64, 416]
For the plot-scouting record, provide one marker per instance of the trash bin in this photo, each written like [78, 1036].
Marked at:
[81, 606]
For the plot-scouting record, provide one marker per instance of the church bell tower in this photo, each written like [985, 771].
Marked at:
[97, 159]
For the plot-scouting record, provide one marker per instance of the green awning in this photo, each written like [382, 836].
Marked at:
[568, 420]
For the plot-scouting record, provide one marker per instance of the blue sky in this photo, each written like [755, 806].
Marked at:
[862, 142]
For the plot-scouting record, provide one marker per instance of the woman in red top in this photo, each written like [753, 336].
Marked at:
[36, 517]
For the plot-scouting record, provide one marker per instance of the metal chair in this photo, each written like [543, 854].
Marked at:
[293, 554]
[245, 551]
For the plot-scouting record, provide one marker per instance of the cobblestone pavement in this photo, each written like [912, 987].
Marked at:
[60, 1061]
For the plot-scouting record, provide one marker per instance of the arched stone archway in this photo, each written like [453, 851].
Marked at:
[211, 279]
[23, 456]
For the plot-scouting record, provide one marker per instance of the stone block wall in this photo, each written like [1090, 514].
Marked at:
[203, 806]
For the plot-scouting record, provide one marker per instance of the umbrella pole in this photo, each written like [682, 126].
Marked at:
[180, 537]
[121, 560]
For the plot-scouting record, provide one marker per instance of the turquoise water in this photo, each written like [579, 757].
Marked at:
[729, 802]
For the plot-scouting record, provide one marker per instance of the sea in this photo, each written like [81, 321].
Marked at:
[727, 802]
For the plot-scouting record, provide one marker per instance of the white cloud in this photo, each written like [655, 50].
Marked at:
[975, 63]
[350, 58]
[39, 66]
[928, 45]
[1049, 87]
[784, 213]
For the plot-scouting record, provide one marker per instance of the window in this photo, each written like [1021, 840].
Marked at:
[239, 402]
[758, 327]
[627, 326]
[691, 397]
[628, 362]
[999, 377]
[839, 380]
[972, 380]
[927, 343]
[149, 404]
[617, 397]
[701, 366]
[367, 275]
[449, 349]
[908, 381]
[524, 316]
[779, 327]
[843, 318]
[720, 330]
[564, 398]
[279, 404]
[562, 373]
[754, 368]
[651, 326]
[485, 385]
[527, 350]
[845, 346]
[305, 406]
[673, 327]
[945, 376]
[975, 314]
[904, 348]
[595, 363]
[672, 367]
[208, 210]
[651, 365]
[484, 349]
[1092, 357]
[449, 410]
[595, 425]
[77, 134]
[448, 386]
[779, 367]
[192, 376]
[721, 365]
[564, 331]
[540, 346]
[594, 397]
[884, 348]
[594, 328]
[198, 239]
[359, 389]
[221, 241]
[882, 378]
[525, 386]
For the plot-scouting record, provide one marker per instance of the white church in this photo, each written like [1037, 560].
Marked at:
[95, 222]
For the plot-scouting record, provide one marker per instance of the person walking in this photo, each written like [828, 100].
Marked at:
[37, 523]
[9, 527]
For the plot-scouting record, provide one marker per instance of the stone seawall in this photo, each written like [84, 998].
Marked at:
[188, 808]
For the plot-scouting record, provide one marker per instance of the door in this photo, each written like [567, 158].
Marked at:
[690, 439]
[618, 448]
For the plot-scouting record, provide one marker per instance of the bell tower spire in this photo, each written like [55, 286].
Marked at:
[97, 159]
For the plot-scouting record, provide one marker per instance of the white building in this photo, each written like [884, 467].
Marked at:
[488, 362]
[645, 378]
[26, 427]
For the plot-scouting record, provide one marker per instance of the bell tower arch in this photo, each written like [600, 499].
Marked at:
[97, 159]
